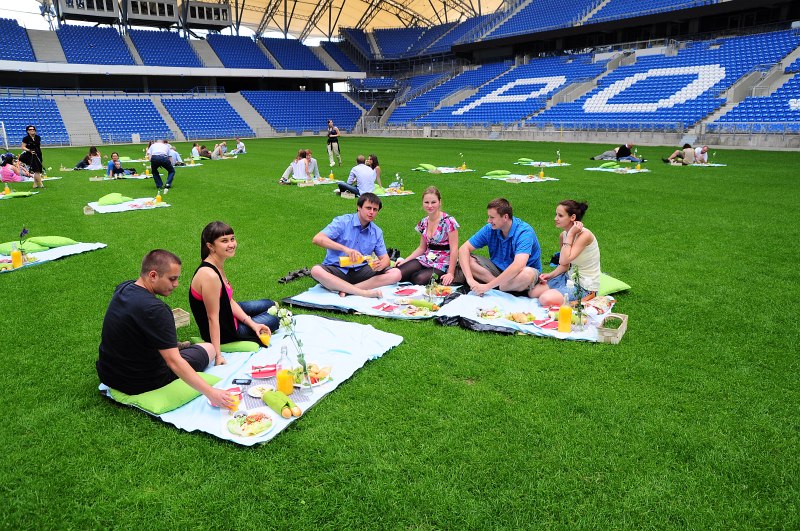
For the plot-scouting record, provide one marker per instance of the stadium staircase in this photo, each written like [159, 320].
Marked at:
[326, 59]
[46, 46]
[270, 57]
[373, 45]
[600, 5]
[165, 115]
[484, 30]
[132, 48]
[77, 120]
[206, 54]
[251, 116]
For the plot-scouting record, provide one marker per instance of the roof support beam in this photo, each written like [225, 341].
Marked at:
[269, 12]
[315, 16]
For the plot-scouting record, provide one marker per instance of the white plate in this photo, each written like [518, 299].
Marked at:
[321, 382]
[257, 390]
[230, 416]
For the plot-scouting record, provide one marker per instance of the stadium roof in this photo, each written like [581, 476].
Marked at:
[323, 18]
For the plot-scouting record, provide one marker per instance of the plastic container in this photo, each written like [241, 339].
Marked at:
[16, 256]
[565, 316]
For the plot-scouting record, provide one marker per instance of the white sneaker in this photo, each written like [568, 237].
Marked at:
[337, 191]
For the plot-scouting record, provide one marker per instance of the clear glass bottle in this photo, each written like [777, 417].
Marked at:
[284, 378]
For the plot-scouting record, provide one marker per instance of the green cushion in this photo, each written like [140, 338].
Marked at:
[113, 199]
[236, 346]
[498, 172]
[28, 247]
[609, 285]
[379, 190]
[171, 396]
[52, 241]
[428, 167]
[611, 164]
[125, 159]
[20, 194]
[523, 159]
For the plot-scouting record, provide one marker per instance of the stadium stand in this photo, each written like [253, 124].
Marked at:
[375, 83]
[670, 93]
[358, 38]
[777, 113]
[617, 9]
[794, 67]
[395, 42]
[93, 45]
[300, 111]
[292, 54]
[426, 102]
[17, 113]
[14, 42]
[117, 119]
[518, 93]
[430, 36]
[459, 32]
[238, 52]
[335, 51]
[164, 48]
[537, 16]
[206, 118]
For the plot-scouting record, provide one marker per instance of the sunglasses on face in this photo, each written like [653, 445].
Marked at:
[31, 129]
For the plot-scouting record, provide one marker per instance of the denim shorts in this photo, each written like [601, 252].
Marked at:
[560, 283]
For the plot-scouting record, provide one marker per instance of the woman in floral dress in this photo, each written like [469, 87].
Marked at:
[438, 244]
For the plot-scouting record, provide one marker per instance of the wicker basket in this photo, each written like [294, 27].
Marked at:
[612, 335]
[181, 317]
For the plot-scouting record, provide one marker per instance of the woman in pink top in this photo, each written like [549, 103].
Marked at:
[8, 173]
[218, 316]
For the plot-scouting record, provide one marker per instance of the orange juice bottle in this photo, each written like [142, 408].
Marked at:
[565, 316]
[344, 261]
[158, 197]
[16, 256]
[6, 189]
[331, 177]
[541, 174]
[285, 381]
[638, 166]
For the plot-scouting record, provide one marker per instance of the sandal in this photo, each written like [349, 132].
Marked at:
[294, 275]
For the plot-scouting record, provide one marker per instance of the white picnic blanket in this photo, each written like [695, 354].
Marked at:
[53, 254]
[137, 177]
[710, 165]
[344, 346]
[470, 307]
[519, 178]
[187, 165]
[391, 305]
[142, 203]
[445, 169]
[621, 169]
[314, 182]
[540, 164]
[388, 193]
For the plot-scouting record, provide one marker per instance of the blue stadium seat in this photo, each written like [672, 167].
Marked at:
[206, 118]
[300, 111]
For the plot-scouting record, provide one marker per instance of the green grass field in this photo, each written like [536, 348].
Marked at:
[690, 422]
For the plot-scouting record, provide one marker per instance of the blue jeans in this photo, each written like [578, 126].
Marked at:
[258, 311]
[344, 187]
[162, 161]
[560, 283]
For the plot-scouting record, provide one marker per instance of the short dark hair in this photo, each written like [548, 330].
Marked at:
[210, 233]
[158, 260]
[502, 206]
[369, 197]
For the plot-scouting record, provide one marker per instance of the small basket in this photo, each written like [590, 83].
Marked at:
[181, 317]
[88, 210]
[612, 335]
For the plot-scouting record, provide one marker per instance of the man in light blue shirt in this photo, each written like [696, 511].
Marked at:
[514, 254]
[354, 237]
[362, 176]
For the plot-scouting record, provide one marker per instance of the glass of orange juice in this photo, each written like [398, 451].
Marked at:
[285, 382]
[236, 397]
[265, 339]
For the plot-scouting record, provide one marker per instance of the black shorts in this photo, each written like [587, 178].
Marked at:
[196, 356]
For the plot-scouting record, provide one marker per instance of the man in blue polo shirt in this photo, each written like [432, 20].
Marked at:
[514, 255]
[355, 236]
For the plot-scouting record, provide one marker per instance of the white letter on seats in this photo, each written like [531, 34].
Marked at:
[550, 83]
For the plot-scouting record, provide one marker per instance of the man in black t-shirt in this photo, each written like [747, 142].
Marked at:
[139, 344]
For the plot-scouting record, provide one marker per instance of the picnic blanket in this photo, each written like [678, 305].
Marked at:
[137, 177]
[389, 192]
[51, 254]
[488, 313]
[14, 195]
[619, 169]
[393, 305]
[317, 181]
[444, 169]
[540, 164]
[142, 203]
[711, 165]
[519, 178]
[187, 165]
[343, 346]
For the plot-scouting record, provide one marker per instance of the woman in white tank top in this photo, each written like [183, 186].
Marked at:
[579, 251]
